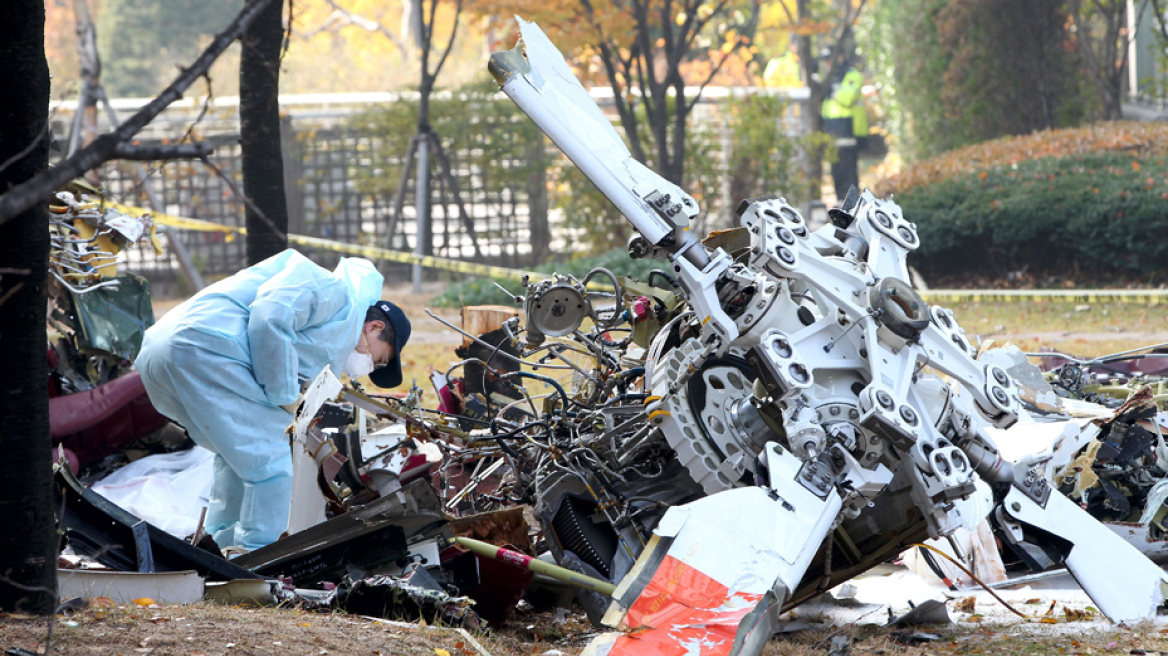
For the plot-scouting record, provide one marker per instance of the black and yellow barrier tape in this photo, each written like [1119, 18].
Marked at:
[1076, 296]
[948, 296]
[369, 252]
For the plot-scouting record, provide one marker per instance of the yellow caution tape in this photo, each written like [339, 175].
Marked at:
[368, 252]
[1138, 296]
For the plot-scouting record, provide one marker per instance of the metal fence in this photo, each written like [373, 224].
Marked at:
[325, 160]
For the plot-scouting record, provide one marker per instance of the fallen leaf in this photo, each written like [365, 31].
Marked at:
[441, 652]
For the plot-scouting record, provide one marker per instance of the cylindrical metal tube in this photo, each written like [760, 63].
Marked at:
[988, 464]
[536, 565]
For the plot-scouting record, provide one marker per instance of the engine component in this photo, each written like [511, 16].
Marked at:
[806, 366]
[555, 307]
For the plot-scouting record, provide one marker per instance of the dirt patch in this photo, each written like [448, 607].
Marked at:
[221, 630]
[207, 629]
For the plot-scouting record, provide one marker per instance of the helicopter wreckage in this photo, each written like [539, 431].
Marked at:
[775, 411]
[790, 415]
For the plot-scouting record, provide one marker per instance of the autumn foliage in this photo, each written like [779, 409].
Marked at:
[1083, 205]
[1139, 139]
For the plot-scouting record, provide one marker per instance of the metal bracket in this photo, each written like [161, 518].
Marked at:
[1034, 486]
[817, 477]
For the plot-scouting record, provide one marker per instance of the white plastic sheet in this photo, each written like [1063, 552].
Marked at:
[168, 490]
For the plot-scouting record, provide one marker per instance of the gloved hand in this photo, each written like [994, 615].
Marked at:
[291, 407]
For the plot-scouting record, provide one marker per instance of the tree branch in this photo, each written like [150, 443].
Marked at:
[450, 44]
[837, 53]
[102, 149]
[242, 196]
[755, 7]
[627, 113]
[160, 152]
[1159, 14]
[341, 18]
[701, 23]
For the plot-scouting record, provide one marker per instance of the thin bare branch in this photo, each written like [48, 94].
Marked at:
[287, 32]
[242, 196]
[838, 56]
[11, 291]
[1159, 18]
[450, 43]
[790, 17]
[701, 23]
[102, 149]
[138, 184]
[341, 17]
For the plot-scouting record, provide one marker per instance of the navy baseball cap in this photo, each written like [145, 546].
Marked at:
[391, 374]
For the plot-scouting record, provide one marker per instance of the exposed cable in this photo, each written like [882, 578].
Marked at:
[972, 576]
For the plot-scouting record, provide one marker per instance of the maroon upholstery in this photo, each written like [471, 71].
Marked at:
[98, 422]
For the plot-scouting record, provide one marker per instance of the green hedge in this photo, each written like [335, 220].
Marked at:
[482, 291]
[1091, 216]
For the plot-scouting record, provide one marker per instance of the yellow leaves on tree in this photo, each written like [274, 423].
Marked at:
[343, 46]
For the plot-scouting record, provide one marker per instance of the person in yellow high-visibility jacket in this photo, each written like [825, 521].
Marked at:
[845, 117]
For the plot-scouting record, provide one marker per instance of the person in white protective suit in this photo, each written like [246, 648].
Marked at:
[226, 364]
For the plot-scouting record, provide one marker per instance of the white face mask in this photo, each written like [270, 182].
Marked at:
[359, 364]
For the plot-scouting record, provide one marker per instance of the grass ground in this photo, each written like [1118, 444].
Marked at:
[1034, 326]
[205, 629]
[1084, 330]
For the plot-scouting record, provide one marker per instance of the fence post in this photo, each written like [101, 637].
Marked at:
[293, 175]
[422, 208]
[537, 204]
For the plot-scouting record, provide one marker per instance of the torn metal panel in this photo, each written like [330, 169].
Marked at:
[1125, 585]
[1032, 386]
[502, 528]
[929, 611]
[709, 583]
[1146, 538]
[97, 528]
[113, 319]
[385, 527]
[315, 460]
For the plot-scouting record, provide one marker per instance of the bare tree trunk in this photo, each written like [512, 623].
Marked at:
[259, 131]
[1105, 54]
[28, 543]
[90, 79]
